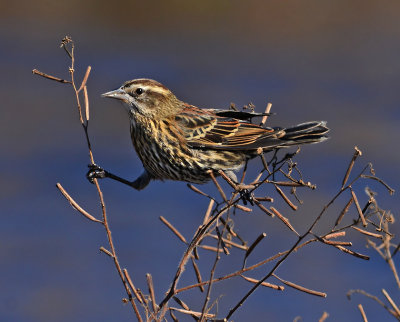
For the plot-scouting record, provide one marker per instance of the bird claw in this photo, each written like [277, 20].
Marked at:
[95, 172]
[246, 196]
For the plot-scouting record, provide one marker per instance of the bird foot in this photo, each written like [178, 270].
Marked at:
[95, 172]
[246, 196]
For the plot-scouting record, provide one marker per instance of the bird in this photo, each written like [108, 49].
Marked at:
[178, 141]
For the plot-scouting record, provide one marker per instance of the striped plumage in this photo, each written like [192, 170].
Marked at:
[165, 153]
[178, 141]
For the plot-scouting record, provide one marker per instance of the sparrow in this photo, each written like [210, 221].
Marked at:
[178, 141]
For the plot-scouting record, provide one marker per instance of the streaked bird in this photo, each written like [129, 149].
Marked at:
[178, 141]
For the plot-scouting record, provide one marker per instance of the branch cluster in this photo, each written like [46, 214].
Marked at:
[217, 232]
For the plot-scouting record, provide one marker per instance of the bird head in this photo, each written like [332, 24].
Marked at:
[147, 97]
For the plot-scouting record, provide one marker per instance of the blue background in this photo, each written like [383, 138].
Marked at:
[331, 60]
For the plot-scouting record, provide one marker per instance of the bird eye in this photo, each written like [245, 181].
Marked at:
[139, 91]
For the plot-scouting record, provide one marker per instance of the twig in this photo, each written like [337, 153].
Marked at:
[217, 258]
[197, 314]
[151, 291]
[253, 246]
[65, 42]
[197, 190]
[198, 274]
[287, 200]
[105, 251]
[173, 229]
[357, 153]
[37, 72]
[360, 307]
[358, 208]
[133, 288]
[335, 235]
[86, 103]
[273, 286]
[300, 288]
[75, 205]
[391, 190]
[85, 78]
[230, 243]
[324, 316]
[351, 252]
[368, 233]
[373, 297]
[392, 303]
[344, 211]
[267, 110]
[267, 211]
[284, 220]
[217, 185]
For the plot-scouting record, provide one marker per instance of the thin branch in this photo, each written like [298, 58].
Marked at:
[197, 314]
[364, 222]
[253, 246]
[373, 297]
[151, 291]
[360, 307]
[300, 288]
[368, 233]
[75, 205]
[390, 190]
[173, 229]
[37, 72]
[324, 316]
[284, 220]
[287, 200]
[67, 41]
[392, 303]
[344, 211]
[85, 78]
[357, 153]
[266, 284]
[105, 251]
[267, 110]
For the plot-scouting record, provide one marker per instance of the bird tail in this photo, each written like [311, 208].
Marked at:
[304, 133]
[309, 132]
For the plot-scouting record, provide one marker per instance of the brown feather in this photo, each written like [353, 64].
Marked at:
[203, 128]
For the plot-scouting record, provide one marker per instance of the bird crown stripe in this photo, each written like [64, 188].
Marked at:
[156, 89]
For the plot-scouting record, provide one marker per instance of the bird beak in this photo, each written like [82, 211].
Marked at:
[118, 94]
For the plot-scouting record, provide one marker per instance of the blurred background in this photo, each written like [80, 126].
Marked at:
[314, 60]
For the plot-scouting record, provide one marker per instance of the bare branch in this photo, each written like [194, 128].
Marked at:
[75, 205]
[392, 303]
[357, 153]
[173, 229]
[360, 307]
[284, 220]
[85, 78]
[273, 286]
[287, 200]
[267, 110]
[364, 222]
[344, 211]
[300, 288]
[368, 233]
[37, 72]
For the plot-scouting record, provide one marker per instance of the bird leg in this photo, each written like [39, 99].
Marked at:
[142, 181]
[96, 172]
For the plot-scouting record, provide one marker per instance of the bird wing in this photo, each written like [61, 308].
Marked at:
[241, 115]
[206, 129]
